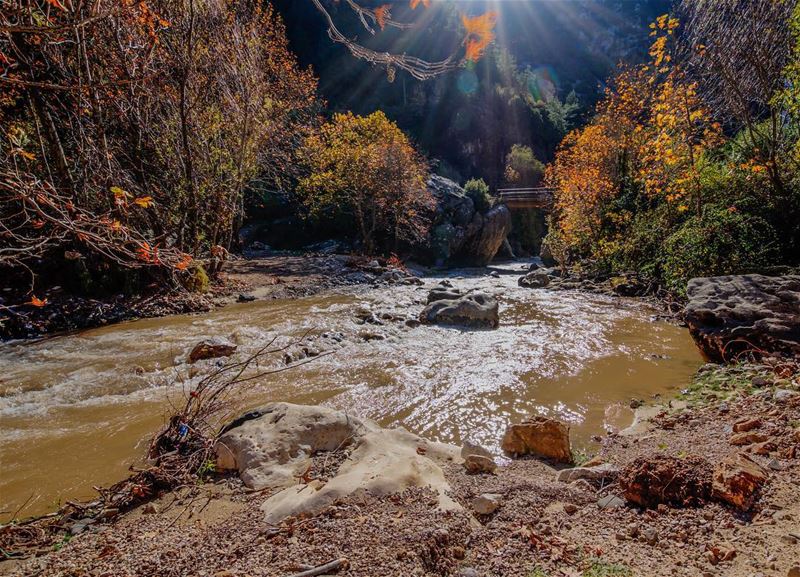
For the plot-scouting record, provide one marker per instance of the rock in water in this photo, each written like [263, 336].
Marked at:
[738, 480]
[535, 279]
[212, 349]
[475, 310]
[274, 449]
[729, 314]
[539, 436]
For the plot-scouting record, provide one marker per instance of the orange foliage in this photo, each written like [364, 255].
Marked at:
[415, 3]
[480, 33]
[37, 302]
[382, 14]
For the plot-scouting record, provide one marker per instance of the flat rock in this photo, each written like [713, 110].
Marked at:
[738, 480]
[272, 448]
[603, 472]
[730, 314]
[610, 502]
[539, 436]
[741, 439]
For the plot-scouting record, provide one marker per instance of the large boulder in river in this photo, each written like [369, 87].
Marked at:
[317, 455]
[730, 314]
[538, 436]
[474, 310]
[459, 233]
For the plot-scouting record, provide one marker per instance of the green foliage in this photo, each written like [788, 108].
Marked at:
[528, 228]
[195, 279]
[598, 568]
[478, 191]
[522, 167]
[720, 241]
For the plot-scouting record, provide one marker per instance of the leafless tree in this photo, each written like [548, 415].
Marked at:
[738, 50]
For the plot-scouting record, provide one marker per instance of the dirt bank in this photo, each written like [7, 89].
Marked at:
[269, 277]
[542, 526]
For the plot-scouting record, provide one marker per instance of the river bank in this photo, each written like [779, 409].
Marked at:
[540, 527]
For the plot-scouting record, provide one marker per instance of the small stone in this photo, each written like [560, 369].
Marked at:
[610, 502]
[741, 439]
[150, 509]
[746, 425]
[468, 572]
[776, 465]
[570, 508]
[764, 448]
[760, 382]
[487, 503]
[783, 395]
[794, 571]
[782, 516]
[789, 539]
[479, 464]
[650, 536]
[459, 552]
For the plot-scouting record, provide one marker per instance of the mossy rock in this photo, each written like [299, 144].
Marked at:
[195, 279]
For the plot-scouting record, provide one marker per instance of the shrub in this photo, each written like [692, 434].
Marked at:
[478, 191]
[720, 241]
[522, 166]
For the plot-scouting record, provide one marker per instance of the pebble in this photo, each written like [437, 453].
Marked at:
[468, 572]
[794, 571]
[570, 508]
[486, 504]
[789, 539]
[650, 536]
[782, 395]
[610, 502]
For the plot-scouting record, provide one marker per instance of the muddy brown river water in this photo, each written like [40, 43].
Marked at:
[77, 410]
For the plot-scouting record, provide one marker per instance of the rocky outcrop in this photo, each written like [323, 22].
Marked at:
[539, 436]
[460, 233]
[474, 310]
[279, 445]
[730, 314]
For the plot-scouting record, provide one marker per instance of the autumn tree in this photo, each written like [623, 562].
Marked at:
[364, 170]
[132, 129]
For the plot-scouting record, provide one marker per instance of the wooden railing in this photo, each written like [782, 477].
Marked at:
[526, 197]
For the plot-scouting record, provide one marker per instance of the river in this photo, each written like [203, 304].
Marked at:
[78, 410]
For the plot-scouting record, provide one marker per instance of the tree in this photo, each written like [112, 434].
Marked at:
[522, 166]
[738, 49]
[363, 169]
[146, 119]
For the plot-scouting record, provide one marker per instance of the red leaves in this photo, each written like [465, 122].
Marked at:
[148, 254]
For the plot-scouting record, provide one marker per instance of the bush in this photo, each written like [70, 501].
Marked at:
[478, 191]
[522, 167]
[721, 241]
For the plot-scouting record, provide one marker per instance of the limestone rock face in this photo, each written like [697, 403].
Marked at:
[459, 233]
[474, 310]
[738, 480]
[729, 314]
[487, 240]
[212, 349]
[539, 436]
[273, 447]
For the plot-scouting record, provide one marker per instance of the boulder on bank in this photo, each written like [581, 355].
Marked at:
[317, 455]
[475, 310]
[212, 349]
[730, 314]
[539, 436]
[738, 481]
